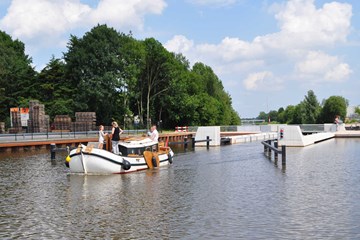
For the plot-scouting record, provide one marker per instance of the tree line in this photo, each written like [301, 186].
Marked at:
[309, 111]
[118, 77]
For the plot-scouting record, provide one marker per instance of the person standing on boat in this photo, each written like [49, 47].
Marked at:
[101, 137]
[154, 133]
[116, 131]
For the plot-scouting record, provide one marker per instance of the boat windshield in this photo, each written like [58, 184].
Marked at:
[126, 151]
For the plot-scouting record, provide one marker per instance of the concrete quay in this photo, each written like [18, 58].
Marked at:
[347, 134]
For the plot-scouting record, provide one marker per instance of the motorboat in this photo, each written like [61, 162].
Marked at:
[136, 154]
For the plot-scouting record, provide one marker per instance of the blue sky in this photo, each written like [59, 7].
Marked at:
[267, 53]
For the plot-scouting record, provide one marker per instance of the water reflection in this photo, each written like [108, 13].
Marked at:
[231, 192]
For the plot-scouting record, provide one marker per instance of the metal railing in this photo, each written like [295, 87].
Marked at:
[58, 135]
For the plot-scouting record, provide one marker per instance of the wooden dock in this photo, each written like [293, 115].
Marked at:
[73, 142]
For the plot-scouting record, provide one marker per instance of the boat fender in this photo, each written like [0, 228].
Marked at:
[126, 165]
[170, 158]
[153, 159]
[67, 161]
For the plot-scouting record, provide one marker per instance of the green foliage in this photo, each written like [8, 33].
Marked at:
[309, 111]
[117, 77]
[334, 105]
[357, 110]
[96, 64]
[54, 90]
[16, 74]
[311, 108]
[198, 98]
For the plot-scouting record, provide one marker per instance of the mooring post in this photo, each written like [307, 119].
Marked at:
[265, 148]
[207, 142]
[185, 143]
[283, 154]
[52, 150]
[276, 152]
[269, 148]
[193, 142]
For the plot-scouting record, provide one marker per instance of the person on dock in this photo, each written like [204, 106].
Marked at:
[337, 121]
[154, 133]
[101, 137]
[116, 131]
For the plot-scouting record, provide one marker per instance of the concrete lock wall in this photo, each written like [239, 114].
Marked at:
[213, 132]
[293, 137]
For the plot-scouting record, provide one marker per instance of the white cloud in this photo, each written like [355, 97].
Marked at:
[213, 2]
[321, 67]
[179, 44]
[303, 30]
[42, 18]
[125, 13]
[262, 81]
[30, 19]
[302, 23]
[231, 49]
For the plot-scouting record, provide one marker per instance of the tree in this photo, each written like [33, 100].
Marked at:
[357, 110]
[263, 115]
[96, 65]
[16, 74]
[289, 114]
[55, 90]
[299, 114]
[334, 105]
[281, 118]
[311, 108]
[156, 74]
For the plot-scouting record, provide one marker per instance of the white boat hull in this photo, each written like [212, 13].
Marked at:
[98, 161]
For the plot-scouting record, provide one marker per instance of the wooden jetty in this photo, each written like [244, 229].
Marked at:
[73, 142]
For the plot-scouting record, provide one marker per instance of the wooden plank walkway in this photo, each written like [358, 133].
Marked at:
[45, 143]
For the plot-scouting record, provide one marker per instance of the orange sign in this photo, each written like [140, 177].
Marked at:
[24, 110]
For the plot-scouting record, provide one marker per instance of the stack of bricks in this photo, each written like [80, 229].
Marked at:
[62, 123]
[38, 121]
[16, 122]
[85, 121]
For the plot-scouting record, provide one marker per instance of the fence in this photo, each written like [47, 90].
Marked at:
[57, 135]
[268, 147]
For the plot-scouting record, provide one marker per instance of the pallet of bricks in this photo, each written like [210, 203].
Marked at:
[16, 122]
[38, 121]
[85, 121]
[62, 123]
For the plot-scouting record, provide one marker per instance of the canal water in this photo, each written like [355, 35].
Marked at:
[229, 192]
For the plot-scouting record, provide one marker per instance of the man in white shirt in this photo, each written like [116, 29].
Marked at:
[154, 133]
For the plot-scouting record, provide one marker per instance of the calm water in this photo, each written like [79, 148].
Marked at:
[230, 192]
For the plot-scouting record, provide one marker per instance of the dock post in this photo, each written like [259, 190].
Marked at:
[207, 142]
[269, 149]
[276, 152]
[52, 150]
[193, 142]
[283, 154]
[185, 143]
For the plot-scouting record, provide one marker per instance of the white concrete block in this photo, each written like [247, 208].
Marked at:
[213, 132]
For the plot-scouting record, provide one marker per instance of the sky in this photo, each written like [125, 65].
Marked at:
[267, 53]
